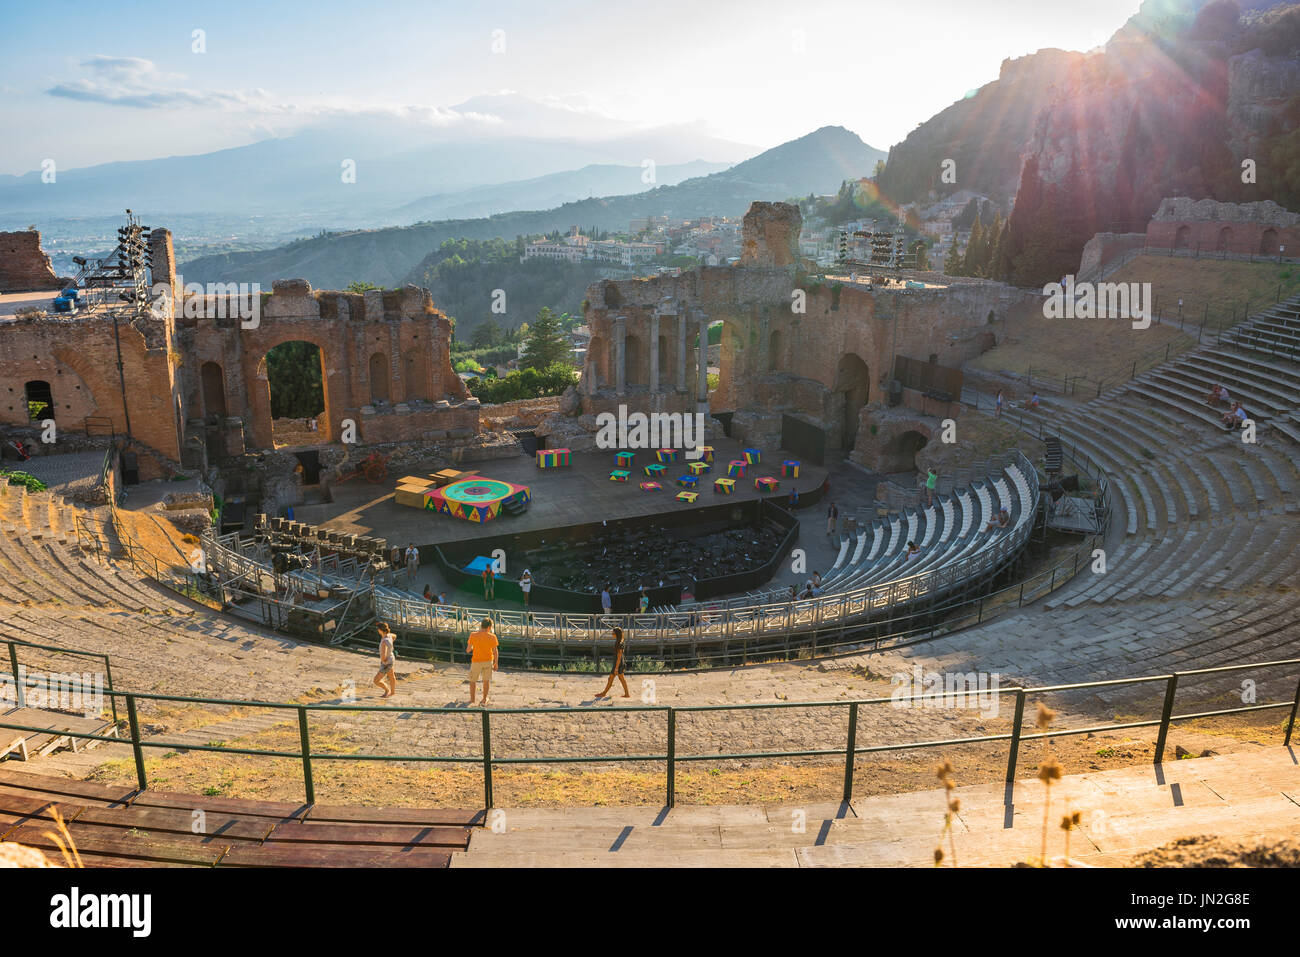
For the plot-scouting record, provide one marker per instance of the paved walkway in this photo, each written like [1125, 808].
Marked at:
[1125, 812]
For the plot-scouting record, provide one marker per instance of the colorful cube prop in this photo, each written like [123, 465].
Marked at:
[553, 458]
[475, 499]
[624, 459]
[753, 456]
[736, 469]
[650, 486]
[619, 475]
[687, 481]
[655, 469]
[698, 468]
[724, 486]
[790, 468]
[766, 484]
[687, 497]
[666, 455]
[706, 454]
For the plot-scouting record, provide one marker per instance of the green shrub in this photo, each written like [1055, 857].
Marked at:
[29, 482]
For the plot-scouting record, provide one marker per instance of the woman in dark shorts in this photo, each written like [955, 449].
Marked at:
[620, 654]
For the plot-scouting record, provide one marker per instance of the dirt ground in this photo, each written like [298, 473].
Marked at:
[755, 781]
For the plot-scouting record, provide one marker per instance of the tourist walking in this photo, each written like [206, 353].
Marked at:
[931, 480]
[386, 676]
[998, 411]
[620, 649]
[606, 602]
[526, 584]
[484, 658]
[832, 517]
[489, 581]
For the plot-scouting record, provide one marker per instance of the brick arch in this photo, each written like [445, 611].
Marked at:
[95, 384]
[257, 412]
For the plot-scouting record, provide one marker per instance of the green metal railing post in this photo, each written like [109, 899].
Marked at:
[304, 741]
[1170, 690]
[1290, 723]
[18, 685]
[487, 759]
[112, 698]
[140, 779]
[850, 751]
[1016, 724]
[672, 757]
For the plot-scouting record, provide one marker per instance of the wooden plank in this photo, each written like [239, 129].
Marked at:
[356, 814]
[108, 860]
[115, 842]
[388, 835]
[20, 805]
[179, 821]
[277, 810]
[332, 855]
[44, 784]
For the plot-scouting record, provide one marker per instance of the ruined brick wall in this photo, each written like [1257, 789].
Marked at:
[823, 364]
[23, 264]
[380, 350]
[201, 363]
[1247, 229]
[78, 358]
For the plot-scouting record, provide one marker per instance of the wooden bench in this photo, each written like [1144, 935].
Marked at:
[118, 826]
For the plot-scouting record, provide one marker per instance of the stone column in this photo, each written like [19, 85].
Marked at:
[702, 390]
[681, 352]
[620, 355]
[654, 353]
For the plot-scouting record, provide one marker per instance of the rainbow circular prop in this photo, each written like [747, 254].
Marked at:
[474, 499]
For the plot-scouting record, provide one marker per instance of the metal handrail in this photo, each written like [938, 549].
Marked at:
[833, 612]
[851, 750]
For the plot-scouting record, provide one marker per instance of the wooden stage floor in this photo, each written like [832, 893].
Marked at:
[575, 495]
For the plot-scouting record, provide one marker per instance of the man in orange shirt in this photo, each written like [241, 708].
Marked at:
[482, 648]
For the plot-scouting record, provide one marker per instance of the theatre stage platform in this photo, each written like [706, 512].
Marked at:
[574, 495]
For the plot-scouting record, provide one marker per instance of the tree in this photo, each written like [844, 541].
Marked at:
[360, 286]
[545, 345]
[294, 376]
[486, 335]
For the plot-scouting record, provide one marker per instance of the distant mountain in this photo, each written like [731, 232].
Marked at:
[482, 142]
[544, 192]
[815, 163]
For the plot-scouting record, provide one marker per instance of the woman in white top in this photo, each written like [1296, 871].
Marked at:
[386, 678]
[526, 585]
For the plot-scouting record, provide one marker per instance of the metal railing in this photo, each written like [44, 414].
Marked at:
[835, 613]
[848, 751]
[18, 671]
[890, 614]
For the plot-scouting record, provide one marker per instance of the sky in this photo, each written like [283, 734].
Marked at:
[93, 82]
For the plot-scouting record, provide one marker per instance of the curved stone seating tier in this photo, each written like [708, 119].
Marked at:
[42, 564]
[1207, 512]
[874, 597]
[953, 529]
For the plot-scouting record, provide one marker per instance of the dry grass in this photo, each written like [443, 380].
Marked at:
[1226, 286]
[1049, 350]
[793, 781]
[1107, 349]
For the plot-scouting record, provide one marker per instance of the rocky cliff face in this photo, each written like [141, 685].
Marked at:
[1178, 96]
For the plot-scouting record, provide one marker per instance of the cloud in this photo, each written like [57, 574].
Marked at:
[137, 83]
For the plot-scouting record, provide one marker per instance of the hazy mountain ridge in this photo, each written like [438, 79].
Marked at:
[815, 163]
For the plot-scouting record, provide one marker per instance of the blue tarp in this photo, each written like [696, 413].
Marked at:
[477, 565]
